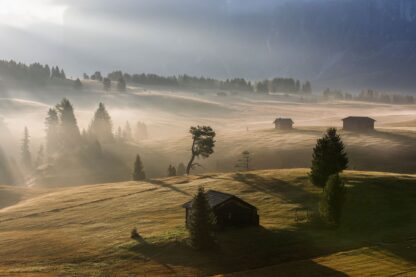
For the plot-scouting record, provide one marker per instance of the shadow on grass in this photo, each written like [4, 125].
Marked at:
[169, 186]
[289, 192]
[239, 250]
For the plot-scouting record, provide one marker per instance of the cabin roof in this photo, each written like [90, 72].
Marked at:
[283, 120]
[359, 118]
[216, 198]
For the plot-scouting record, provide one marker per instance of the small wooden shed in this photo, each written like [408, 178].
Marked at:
[358, 123]
[228, 209]
[283, 123]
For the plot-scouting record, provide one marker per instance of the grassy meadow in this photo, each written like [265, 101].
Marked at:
[85, 230]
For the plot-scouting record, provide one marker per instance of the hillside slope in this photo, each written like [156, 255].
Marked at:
[85, 230]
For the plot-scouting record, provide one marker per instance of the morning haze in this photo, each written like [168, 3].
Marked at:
[207, 138]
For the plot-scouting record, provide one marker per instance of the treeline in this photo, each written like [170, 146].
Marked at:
[369, 96]
[34, 73]
[286, 85]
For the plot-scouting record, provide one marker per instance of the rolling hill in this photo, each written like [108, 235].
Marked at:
[85, 230]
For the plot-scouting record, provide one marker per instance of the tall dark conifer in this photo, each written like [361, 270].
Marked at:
[138, 171]
[101, 127]
[25, 152]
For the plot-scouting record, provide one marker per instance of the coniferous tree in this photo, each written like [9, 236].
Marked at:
[62, 74]
[85, 76]
[106, 84]
[202, 144]
[77, 84]
[201, 223]
[127, 134]
[329, 157]
[69, 133]
[332, 200]
[138, 171]
[101, 127]
[121, 84]
[52, 132]
[40, 159]
[244, 162]
[181, 169]
[25, 151]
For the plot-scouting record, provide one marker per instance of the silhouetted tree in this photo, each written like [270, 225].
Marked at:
[127, 134]
[121, 84]
[40, 159]
[52, 132]
[201, 224]
[329, 157]
[97, 76]
[332, 200]
[171, 171]
[101, 127]
[138, 171]
[202, 144]
[181, 169]
[69, 132]
[25, 152]
[77, 84]
[244, 162]
[106, 84]
[85, 76]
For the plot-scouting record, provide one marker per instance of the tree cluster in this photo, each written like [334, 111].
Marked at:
[286, 85]
[369, 96]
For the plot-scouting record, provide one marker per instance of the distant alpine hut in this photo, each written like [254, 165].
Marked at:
[283, 123]
[358, 123]
[228, 209]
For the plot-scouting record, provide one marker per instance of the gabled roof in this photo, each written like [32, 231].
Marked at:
[286, 120]
[216, 198]
[358, 118]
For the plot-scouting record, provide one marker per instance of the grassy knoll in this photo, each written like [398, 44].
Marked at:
[85, 230]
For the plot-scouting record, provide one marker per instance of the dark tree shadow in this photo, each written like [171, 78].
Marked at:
[169, 186]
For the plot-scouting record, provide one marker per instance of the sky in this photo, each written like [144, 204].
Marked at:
[215, 37]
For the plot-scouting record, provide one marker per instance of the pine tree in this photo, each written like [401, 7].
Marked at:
[106, 84]
[69, 132]
[40, 159]
[332, 200]
[201, 223]
[127, 135]
[329, 157]
[138, 171]
[101, 126]
[62, 74]
[52, 132]
[181, 169]
[25, 152]
[77, 84]
[121, 84]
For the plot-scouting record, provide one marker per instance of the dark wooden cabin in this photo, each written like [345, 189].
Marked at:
[228, 209]
[283, 123]
[358, 123]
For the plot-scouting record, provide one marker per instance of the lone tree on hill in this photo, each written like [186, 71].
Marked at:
[202, 220]
[329, 157]
[25, 148]
[244, 162]
[138, 172]
[202, 144]
[332, 200]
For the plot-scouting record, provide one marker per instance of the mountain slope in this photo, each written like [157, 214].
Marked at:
[86, 230]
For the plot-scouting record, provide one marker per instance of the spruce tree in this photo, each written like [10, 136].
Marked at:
[121, 84]
[106, 84]
[201, 224]
[332, 200]
[329, 157]
[25, 151]
[138, 171]
[101, 127]
[181, 169]
[40, 159]
[70, 135]
[127, 134]
[52, 132]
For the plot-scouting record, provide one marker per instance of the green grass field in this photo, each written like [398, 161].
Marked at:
[85, 230]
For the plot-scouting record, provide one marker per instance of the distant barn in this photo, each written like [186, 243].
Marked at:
[283, 123]
[358, 123]
[228, 209]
